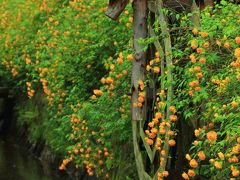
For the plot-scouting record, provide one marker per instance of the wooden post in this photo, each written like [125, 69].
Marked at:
[138, 69]
[115, 8]
[138, 73]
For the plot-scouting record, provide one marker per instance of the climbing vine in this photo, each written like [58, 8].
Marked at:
[75, 67]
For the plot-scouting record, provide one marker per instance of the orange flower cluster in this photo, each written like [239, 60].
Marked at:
[194, 44]
[141, 99]
[204, 60]
[30, 91]
[222, 84]
[93, 159]
[154, 64]
[162, 175]
[120, 59]
[9, 65]
[159, 127]
[130, 57]
[194, 86]
[14, 72]
[152, 133]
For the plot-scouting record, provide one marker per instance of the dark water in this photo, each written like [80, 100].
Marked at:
[17, 164]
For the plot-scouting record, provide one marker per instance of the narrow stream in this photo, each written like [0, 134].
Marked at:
[17, 164]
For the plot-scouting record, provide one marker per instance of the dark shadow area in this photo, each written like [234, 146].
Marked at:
[17, 160]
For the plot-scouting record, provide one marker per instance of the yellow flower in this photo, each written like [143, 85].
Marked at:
[156, 69]
[237, 53]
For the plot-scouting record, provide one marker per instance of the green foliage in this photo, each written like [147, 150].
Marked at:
[208, 92]
[62, 49]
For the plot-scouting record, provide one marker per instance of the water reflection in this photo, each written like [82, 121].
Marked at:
[17, 164]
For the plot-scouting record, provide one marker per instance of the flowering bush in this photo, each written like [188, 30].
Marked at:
[50, 50]
[74, 65]
[212, 78]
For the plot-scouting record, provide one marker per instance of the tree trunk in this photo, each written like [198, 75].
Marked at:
[138, 73]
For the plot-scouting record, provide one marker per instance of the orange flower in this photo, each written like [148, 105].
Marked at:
[234, 104]
[109, 80]
[237, 40]
[139, 104]
[195, 31]
[103, 80]
[191, 173]
[212, 136]
[148, 68]
[204, 34]
[141, 84]
[171, 133]
[171, 142]
[201, 155]
[28, 61]
[142, 94]
[141, 99]
[149, 141]
[157, 60]
[193, 58]
[97, 92]
[162, 131]
[112, 67]
[193, 163]
[130, 57]
[165, 173]
[154, 130]
[227, 45]
[193, 44]
[190, 93]
[158, 115]
[156, 69]
[131, 19]
[235, 159]
[185, 176]
[151, 124]
[197, 68]
[188, 157]
[119, 61]
[173, 118]
[51, 19]
[199, 75]
[235, 172]
[151, 62]
[235, 149]
[197, 89]
[237, 53]
[163, 153]
[200, 50]
[124, 72]
[206, 45]
[218, 165]
[191, 84]
[195, 143]
[155, 120]
[157, 54]
[173, 109]
[221, 155]
[197, 132]
[202, 60]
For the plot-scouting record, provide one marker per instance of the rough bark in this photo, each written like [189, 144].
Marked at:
[115, 8]
[138, 73]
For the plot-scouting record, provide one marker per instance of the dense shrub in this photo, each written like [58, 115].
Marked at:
[74, 64]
